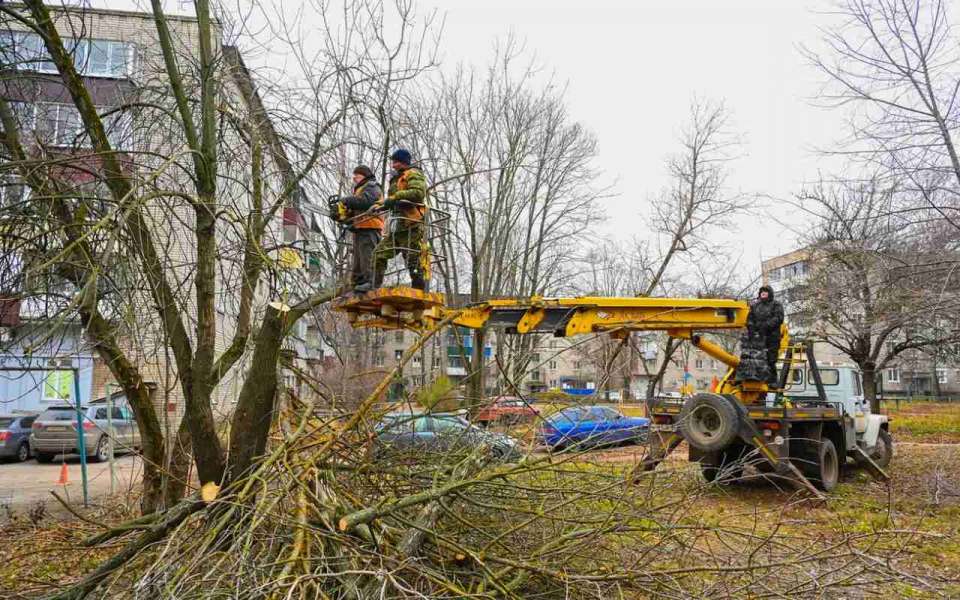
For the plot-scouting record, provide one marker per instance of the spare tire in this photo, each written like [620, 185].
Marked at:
[709, 422]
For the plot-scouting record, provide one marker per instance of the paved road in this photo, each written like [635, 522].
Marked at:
[24, 484]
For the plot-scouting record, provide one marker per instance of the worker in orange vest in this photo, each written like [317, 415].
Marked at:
[365, 224]
[407, 201]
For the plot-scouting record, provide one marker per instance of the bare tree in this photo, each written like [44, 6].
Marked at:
[879, 284]
[181, 232]
[895, 66]
[696, 203]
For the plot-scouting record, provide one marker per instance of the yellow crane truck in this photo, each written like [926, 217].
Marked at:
[804, 429]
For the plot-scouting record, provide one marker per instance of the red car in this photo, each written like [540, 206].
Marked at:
[506, 409]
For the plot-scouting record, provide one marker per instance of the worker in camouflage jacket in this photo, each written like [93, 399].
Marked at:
[760, 345]
[407, 202]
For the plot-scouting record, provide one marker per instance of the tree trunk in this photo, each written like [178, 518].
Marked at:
[477, 371]
[869, 371]
[255, 405]
[178, 467]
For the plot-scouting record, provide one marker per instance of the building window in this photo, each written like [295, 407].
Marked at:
[92, 58]
[12, 191]
[698, 363]
[576, 364]
[398, 336]
[893, 375]
[941, 376]
[436, 360]
[416, 359]
[397, 355]
[535, 375]
[57, 124]
[553, 364]
[58, 386]
[378, 359]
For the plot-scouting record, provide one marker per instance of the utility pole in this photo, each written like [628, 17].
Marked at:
[81, 441]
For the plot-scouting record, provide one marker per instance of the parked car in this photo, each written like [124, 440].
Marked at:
[588, 426]
[506, 409]
[439, 432]
[55, 431]
[15, 436]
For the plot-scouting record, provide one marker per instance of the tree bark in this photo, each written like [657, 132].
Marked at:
[869, 373]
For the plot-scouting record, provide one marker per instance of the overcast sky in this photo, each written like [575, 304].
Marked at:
[632, 68]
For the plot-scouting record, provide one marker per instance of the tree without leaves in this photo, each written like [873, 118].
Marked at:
[895, 66]
[878, 286]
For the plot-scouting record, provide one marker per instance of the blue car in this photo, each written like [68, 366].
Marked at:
[588, 426]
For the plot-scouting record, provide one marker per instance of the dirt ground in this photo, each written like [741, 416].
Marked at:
[25, 485]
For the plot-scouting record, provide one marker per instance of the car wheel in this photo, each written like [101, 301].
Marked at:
[45, 457]
[23, 452]
[102, 452]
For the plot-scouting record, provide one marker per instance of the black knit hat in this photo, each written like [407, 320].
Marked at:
[363, 170]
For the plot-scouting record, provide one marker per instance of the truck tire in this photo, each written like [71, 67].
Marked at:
[821, 464]
[709, 422]
[883, 452]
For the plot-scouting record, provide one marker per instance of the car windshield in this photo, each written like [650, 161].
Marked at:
[569, 415]
[4, 423]
[449, 424]
[60, 413]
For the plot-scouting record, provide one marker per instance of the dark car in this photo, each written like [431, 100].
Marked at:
[588, 426]
[15, 436]
[439, 432]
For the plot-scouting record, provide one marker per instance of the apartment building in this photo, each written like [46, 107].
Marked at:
[913, 372]
[117, 53]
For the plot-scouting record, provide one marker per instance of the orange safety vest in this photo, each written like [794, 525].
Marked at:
[371, 221]
[414, 212]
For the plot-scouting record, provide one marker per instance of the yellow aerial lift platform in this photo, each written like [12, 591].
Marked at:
[801, 427]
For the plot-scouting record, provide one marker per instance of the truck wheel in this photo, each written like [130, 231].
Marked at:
[821, 464]
[883, 451]
[708, 422]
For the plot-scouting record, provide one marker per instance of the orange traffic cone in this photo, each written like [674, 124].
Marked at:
[64, 474]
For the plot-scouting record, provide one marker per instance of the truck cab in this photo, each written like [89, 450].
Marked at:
[842, 387]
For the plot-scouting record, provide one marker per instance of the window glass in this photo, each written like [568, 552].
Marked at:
[117, 413]
[4, 423]
[99, 61]
[857, 388]
[58, 385]
[27, 422]
[447, 425]
[118, 59]
[101, 413]
[830, 376]
[421, 424]
[796, 376]
[569, 415]
[402, 424]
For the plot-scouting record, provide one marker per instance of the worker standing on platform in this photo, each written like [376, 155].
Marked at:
[407, 201]
[366, 225]
[764, 320]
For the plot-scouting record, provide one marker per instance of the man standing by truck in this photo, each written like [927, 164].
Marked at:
[407, 201]
[366, 225]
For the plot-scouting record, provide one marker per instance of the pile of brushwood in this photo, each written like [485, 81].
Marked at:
[327, 515]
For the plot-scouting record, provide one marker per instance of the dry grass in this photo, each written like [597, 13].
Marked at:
[925, 422]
